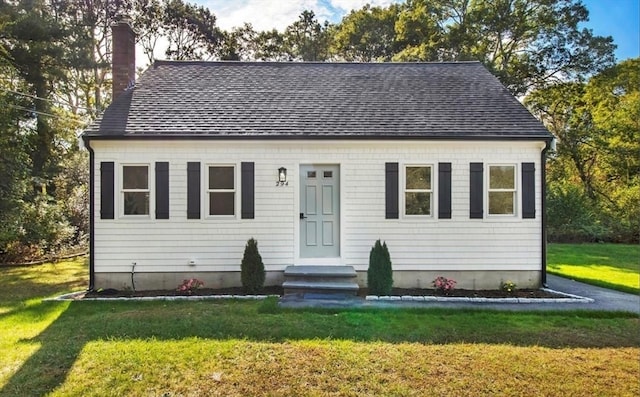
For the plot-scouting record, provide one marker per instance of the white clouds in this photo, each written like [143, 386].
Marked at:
[348, 5]
[269, 14]
[262, 14]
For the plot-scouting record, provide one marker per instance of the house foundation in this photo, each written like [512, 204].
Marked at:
[473, 280]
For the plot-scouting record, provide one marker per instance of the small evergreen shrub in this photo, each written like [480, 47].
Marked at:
[252, 268]
[379, 274]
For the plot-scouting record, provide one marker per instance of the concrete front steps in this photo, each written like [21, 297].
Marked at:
[320, 282]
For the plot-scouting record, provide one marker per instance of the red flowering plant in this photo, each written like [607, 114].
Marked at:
[189, 286]
[444, 285]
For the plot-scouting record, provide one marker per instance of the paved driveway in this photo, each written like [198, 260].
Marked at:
[604, 299]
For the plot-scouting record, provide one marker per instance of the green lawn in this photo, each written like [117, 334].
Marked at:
[615, 266]
[233, 348]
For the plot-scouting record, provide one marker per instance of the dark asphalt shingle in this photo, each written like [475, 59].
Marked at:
[421, 100]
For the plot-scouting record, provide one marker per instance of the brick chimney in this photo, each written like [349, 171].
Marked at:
[123, 62]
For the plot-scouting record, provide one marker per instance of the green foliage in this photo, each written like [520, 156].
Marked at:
[418, 34]
[270, 46]
[594, 176]
[380, 273]
[72, 193]
[306, 39]
[239, 44]
[191, 30]
[15, 170]
[571, 216]
[366, 35]
[252, 269]
[45, 226]
[524, 43]
[621, 215]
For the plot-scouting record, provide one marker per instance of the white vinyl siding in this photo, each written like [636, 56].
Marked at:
[217, 243]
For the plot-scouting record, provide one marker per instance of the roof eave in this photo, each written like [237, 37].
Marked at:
[324, 137]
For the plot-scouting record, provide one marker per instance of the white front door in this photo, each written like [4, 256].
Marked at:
[319, 211]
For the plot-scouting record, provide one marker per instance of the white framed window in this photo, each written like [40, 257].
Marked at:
[221, 190]
[501, 194]
[418, 190]
[135, 190]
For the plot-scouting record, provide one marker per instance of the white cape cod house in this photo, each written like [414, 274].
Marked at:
[316, 161]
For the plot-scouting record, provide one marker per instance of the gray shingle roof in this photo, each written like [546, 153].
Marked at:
[377, 100]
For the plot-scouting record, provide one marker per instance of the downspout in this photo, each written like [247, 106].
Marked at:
[91, 213]
[550, 144]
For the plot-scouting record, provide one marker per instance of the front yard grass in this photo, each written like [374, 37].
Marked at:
[239, 348]
[615, 266]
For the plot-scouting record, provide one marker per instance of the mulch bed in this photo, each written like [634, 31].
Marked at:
[113, 293]
[468, 293]
[277, 290]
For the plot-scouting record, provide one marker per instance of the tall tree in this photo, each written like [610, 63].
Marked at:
[239, 44]
[270, 46]
[14, 159]
[527, 44]
[614, 97]
[306, 39]
[191, 31]
[148, 17]
[366, 35]
[88, 26]
[418, 34]
[598, 133]
[34, 43]
[566, 114]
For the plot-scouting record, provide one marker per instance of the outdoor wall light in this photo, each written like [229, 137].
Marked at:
[282, 177]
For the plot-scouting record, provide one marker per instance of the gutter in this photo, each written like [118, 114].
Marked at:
[549, 144]
[86, 141]
[307, 137]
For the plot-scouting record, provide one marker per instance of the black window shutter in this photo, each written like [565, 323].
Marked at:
[391, 191]
[106, 190]
[162, 190]
[476, 191]
[444, 190]
[193, 190]
[247, 190]
[528, 190]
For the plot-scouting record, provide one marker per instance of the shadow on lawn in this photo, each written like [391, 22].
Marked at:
[20, 283]
[24, 303]
[64, 339]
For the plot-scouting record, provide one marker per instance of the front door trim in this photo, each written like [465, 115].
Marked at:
[298, 233]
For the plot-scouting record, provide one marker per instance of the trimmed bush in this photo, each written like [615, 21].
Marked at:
[252, 268]
[379, 274]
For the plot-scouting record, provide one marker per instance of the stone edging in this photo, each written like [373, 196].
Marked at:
[569, 298]
[71, 297]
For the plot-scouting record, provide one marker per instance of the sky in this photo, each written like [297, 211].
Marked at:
[617, 18]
